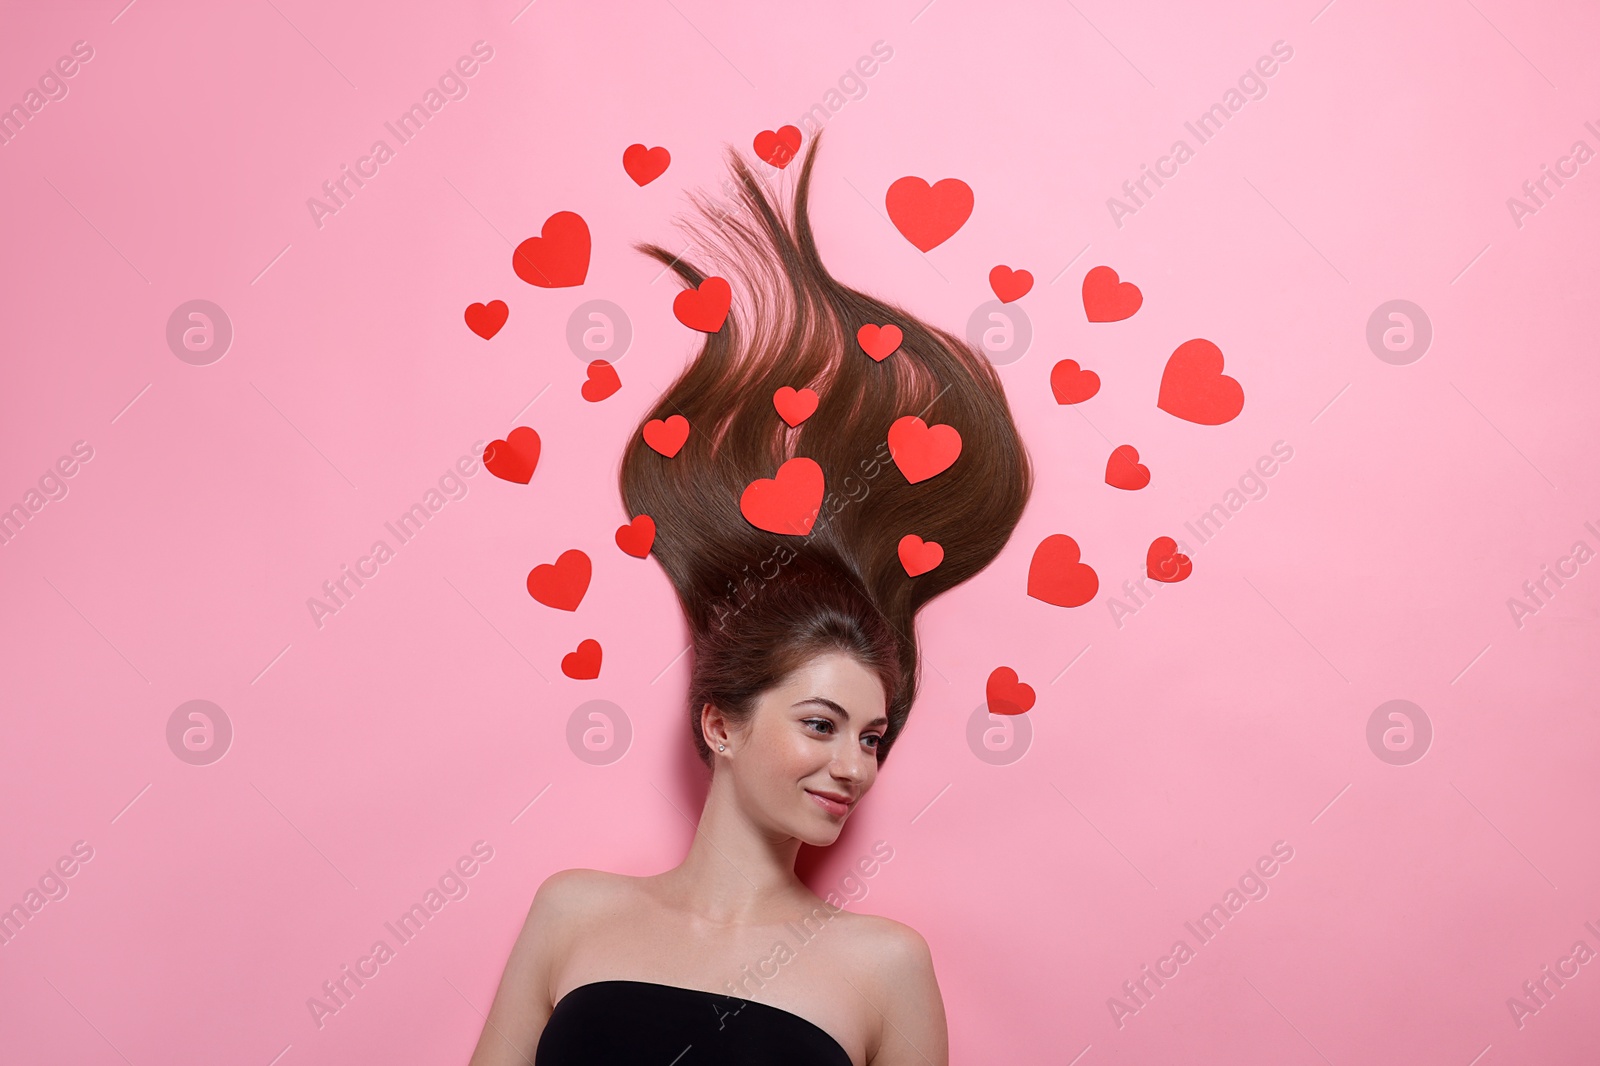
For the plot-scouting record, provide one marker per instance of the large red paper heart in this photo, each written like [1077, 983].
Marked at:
[795, 405]
[787, 503]
[561, 584]
[1194, 388]
[583, 664]
[515, 458]
[1007, 695]
[928, 215]
[559, 256]
[921, 450]
[919, 556]
[1010, 284]
[1124, 471]
[704, 308]
[880, 342]
[1056, 576]
[1163, 562]
[1072, 384]
[637, 536]
[486, 319]
[667, 435]
[778, 148]
[603, 381]
[1108, 299]
[645, 165]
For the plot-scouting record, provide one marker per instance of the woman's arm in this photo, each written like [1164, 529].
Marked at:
[522, 1004]
[914, 1031]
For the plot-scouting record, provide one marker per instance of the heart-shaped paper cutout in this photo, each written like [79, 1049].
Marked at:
[1006, 694]
[559, 256]
[778, 148]
[603, 381]
[486, 319]
[1106, 298]
[795, 405]
[704, 308]
[667, 435]
[787, 503]
[928, 215]
[1010, 284]
[645, 165]
[1056, 575]
[880, 342]
[1071, 383]
[561, 584]
[515, 458]
[1124, 471]
[1163, 562]
[637, 536]
[1194, 388]
[583, 664]
[921, 450]
[919, 556]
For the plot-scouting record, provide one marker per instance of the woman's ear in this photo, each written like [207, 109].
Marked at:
[713, 727]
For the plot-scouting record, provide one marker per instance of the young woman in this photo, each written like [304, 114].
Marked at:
[804, 672]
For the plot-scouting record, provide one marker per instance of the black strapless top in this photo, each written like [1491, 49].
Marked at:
[640, 1023]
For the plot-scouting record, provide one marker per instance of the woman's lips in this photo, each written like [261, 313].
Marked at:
[832, 806]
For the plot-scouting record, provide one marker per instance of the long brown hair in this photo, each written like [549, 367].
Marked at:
[761, 604]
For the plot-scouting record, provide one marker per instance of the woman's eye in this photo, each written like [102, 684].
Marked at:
[819, 721]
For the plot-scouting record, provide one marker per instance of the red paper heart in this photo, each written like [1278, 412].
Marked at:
[919, 556]
[583, 664]
[780, 147]
[1107, 299]
[795, 405]
[637, 536]
[667, 436]
[787, 503]
[1007, 695]
[645, 165]
[486, 319]
[1071, 384]
[1056, 576]
[603, 381]
[1010, 284]
[928, 215]
[559, 256]
[1194, 388]
[704, 308]
[561, 584]
[880, 342]
[1163, 562]
[1124, 471]
[515, 458]
[921, 450]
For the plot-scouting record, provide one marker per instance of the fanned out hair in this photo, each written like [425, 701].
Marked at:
[761, 604]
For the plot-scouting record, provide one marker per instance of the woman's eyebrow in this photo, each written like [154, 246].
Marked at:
[840, 711]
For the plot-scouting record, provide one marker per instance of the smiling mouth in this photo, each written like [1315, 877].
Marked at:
[835, 807]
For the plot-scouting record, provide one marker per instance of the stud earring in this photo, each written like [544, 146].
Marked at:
[721, 748]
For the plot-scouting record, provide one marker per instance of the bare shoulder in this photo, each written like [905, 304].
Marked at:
[568, 895]
[904, 990]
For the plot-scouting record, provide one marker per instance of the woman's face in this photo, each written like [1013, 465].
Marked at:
[812, 741]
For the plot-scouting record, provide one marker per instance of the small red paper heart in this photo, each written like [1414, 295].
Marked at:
[1124, 471]
[559, 256]
[1006, 694]
[1057, 577]
[787, 503]
[1194, 388]
[921, 450]
[1108, 299]
[637, 536]
[486, 319]
[919, 556]
[667, 435]
[645, 165]
[1072, 384]
[1163, 562]
[515, 458]
[1010, 284]
[928, 215]
[795, 405]
[583, 664]
[780, 147]
[603, 381]
[880, 342]
[704, 308]
[561, 584]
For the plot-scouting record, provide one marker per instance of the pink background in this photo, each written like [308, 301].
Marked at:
[1227, 714]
